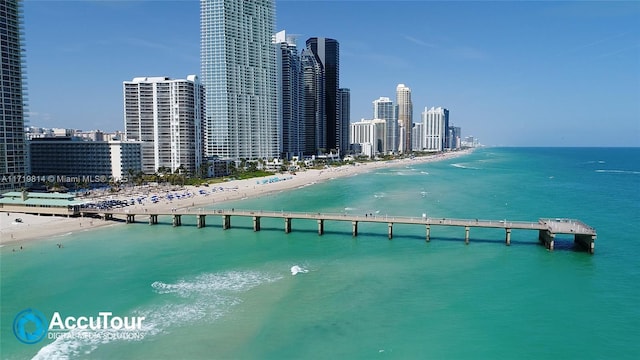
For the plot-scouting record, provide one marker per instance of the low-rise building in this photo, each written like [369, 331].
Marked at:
[40, 203]
[74, 160]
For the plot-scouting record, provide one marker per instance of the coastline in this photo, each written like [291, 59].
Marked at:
[33, 227]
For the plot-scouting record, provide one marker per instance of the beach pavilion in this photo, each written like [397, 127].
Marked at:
[40, 203]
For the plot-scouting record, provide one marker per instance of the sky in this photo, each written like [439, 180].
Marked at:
[511, 73]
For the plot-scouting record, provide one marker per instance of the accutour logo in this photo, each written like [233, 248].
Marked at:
[30, 326]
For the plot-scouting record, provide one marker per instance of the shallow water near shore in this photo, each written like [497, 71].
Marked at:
[213, 293]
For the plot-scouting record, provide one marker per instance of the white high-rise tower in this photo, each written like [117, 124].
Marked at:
[384, 109]
[166, 116]
[435, 124]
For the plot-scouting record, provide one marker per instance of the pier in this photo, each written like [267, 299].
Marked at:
[584, 235]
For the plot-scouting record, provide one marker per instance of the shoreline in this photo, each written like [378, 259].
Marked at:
[33, 227]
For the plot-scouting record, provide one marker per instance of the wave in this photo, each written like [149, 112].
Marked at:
[424, 173]
[619, 172]
[378, 195]
[305, 185]
[205, 297]
[458, 165]
[295, 269]
[62, 235]
[350, 209]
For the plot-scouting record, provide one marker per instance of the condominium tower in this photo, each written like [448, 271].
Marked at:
[12, 145]
[405, 115]
[321, 67]
[167, 117]
[384, 109]
[238, 70]
[369, 136]
[344, 119]
[435, 126]
[290, 95]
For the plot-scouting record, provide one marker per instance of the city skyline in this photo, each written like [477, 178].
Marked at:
[514, 74]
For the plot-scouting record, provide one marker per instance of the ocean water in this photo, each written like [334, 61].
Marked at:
[230, 294]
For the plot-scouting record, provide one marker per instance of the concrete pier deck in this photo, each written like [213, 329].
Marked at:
[584, 235]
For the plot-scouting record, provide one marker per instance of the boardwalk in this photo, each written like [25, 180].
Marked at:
[584, 235]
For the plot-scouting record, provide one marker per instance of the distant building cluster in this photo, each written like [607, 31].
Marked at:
[392, 130]
[258, 98]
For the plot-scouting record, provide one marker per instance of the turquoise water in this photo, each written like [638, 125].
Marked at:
[209, 293]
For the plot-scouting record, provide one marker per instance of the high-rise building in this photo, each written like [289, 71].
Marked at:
[435, 124]
[344, 120]
[321, 66]
[12, 143]
[454, 137]
[238, 70]
[384, 109]
[369, 136]
[290, 95]
[313, 100]
[405, 115]
[167, 117]
[417, 137]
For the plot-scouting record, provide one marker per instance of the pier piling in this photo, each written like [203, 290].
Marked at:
[354, 226]
[320, 226]
[547, 238]
[585, 241]
[201, 221]
[226, 222]
[153, 219]
[466, 235]
[390, 231]
[256, 223]
[428, 233]
[287, 225]
[508, 237]
[177, 220]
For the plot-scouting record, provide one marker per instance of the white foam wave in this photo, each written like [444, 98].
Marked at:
[295, 269]
[424, 172]
[210, 283]
[619, 172]
[207, 296]
[464, 166]
[349, 209]
[378, 195]
[63, 235]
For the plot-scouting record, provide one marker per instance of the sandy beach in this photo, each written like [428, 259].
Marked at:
[17, 234]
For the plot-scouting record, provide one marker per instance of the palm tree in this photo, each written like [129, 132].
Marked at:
[233, 170]
[131, 174]
[202, 171]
